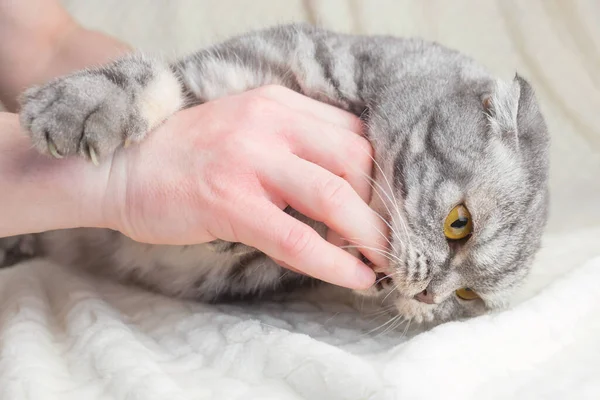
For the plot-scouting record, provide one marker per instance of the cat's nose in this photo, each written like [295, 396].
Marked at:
[426, 296]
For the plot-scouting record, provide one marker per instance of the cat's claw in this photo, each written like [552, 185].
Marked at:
[84, 114]
[52, 148]
[92, 154]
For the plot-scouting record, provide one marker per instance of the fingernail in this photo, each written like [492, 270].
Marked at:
[365, 276]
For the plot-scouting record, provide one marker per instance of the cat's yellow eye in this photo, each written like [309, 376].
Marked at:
[466, 294]
[458, 224]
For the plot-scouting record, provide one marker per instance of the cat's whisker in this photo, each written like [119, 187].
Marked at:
[354, 244]
[406, 328]
[391, 200]
[378, 191]
[362, 304]
[284, 275]
[386, 257]
[380, 312]
[396, 274]
[392, 326]
[383, 278]
[381, 233]
[386, 330]
[376, 317]
[395, 203]
[391, 320]
[390, 256]
[390, 226]
[398, 213]
[372, 182]
[394, 289]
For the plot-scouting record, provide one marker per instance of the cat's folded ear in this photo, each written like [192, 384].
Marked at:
[514, 114]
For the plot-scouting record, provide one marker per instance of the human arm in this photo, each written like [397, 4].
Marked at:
[40, 193]
[69, 194]
[37, 46]
[246, 170]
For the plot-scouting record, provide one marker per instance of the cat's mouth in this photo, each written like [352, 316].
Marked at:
[382, 280]
[409, 307]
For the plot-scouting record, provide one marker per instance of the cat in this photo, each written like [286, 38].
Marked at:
[462, 162]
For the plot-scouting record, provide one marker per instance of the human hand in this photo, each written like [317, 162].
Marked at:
[227, 168]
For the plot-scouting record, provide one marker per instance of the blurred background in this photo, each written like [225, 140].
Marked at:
[555, 44]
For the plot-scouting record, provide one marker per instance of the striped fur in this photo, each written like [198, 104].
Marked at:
[437, 143]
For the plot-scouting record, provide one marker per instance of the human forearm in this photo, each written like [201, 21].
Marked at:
[37, 46]
[40, 193]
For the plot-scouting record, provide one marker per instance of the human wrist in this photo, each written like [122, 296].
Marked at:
[43, 48]
[45, 193]
[28, 44]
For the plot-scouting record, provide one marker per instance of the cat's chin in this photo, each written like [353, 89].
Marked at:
[413, 310]
[407, 307]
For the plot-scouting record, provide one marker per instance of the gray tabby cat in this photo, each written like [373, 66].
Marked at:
[463, 160]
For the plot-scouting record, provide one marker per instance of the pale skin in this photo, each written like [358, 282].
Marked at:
[200, 176]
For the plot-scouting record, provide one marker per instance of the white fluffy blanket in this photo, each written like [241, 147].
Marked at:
[69, 336]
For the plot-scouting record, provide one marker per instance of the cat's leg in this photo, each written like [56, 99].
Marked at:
[92, 112]
[325, 66]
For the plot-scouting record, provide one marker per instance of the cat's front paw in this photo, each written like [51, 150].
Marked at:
[83, 114]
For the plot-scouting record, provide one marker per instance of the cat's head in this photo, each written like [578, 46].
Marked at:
[467, 173]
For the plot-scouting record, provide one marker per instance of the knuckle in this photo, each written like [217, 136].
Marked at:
[240, 151]
[213, 179]
[360, 149]
[364, 146]
[297, 241]
[231, 147]
[257, 108]
[272, 91]
[361, 153]
[239, 143]
[334, 193]
[218, 182]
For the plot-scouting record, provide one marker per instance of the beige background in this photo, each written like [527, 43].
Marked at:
[554, 43]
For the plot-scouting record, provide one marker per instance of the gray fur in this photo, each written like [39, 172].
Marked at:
[436, 145]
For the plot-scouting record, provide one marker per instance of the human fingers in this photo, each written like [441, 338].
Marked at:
[336, 149]
[303, 104]
[325, 197]
[295, 244]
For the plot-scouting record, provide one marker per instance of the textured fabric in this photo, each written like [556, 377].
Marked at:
[68, 336]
